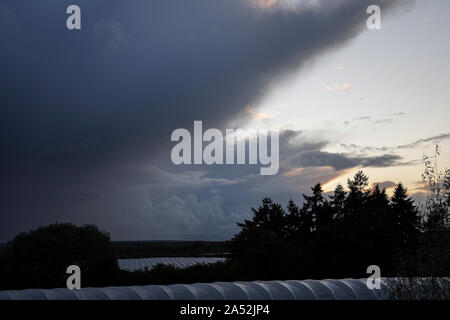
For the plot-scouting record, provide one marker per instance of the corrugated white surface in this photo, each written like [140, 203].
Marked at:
[140, 264]
[347, 289]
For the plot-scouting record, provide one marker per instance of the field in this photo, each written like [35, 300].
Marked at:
[150, 249]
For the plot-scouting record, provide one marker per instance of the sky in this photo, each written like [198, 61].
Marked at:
[86, 115]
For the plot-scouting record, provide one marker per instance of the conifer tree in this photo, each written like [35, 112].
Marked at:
[338, 201]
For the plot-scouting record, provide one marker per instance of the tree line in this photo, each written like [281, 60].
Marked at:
[340, 235]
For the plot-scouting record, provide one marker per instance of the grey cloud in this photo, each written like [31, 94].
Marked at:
[434, 139]
[391, 119]
[299, 150]
[384, 184]
[362, 118]
[113, 34]
[398, 114]
[387, 160]
[170, 63]
[387, 120]
[192, 179]
[180, 217]
[86, 196]
[186, 60]
[341, 161]
[321, 159]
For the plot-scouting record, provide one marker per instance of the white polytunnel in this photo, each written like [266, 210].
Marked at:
[346, 289]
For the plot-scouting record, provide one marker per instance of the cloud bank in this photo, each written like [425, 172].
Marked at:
[80, 111]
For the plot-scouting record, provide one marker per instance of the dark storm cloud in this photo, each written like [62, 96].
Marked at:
[80, 107]
[136, 72]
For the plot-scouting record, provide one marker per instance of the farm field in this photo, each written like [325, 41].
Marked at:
[152, 249]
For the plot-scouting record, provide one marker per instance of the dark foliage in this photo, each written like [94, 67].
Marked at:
[340, 236]
[39, 258]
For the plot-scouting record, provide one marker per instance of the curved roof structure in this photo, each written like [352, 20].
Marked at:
[346, 289]
[140, 264]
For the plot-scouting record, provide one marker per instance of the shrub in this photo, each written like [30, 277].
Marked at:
[39, 258]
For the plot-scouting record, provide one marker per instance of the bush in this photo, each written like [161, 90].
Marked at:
[39, 258]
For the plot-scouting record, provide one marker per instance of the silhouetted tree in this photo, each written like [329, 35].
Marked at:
[293, 221]
[431, 261]
[434, 245]
[312, 212]
[378, 199]
[437, 186]
[340, 237]
[269, 216]
[39, 258]
[406, 219]
[260, 246]
[357, 194]
[338, 201]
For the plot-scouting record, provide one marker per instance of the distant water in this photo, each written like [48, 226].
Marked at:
[140, 264]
